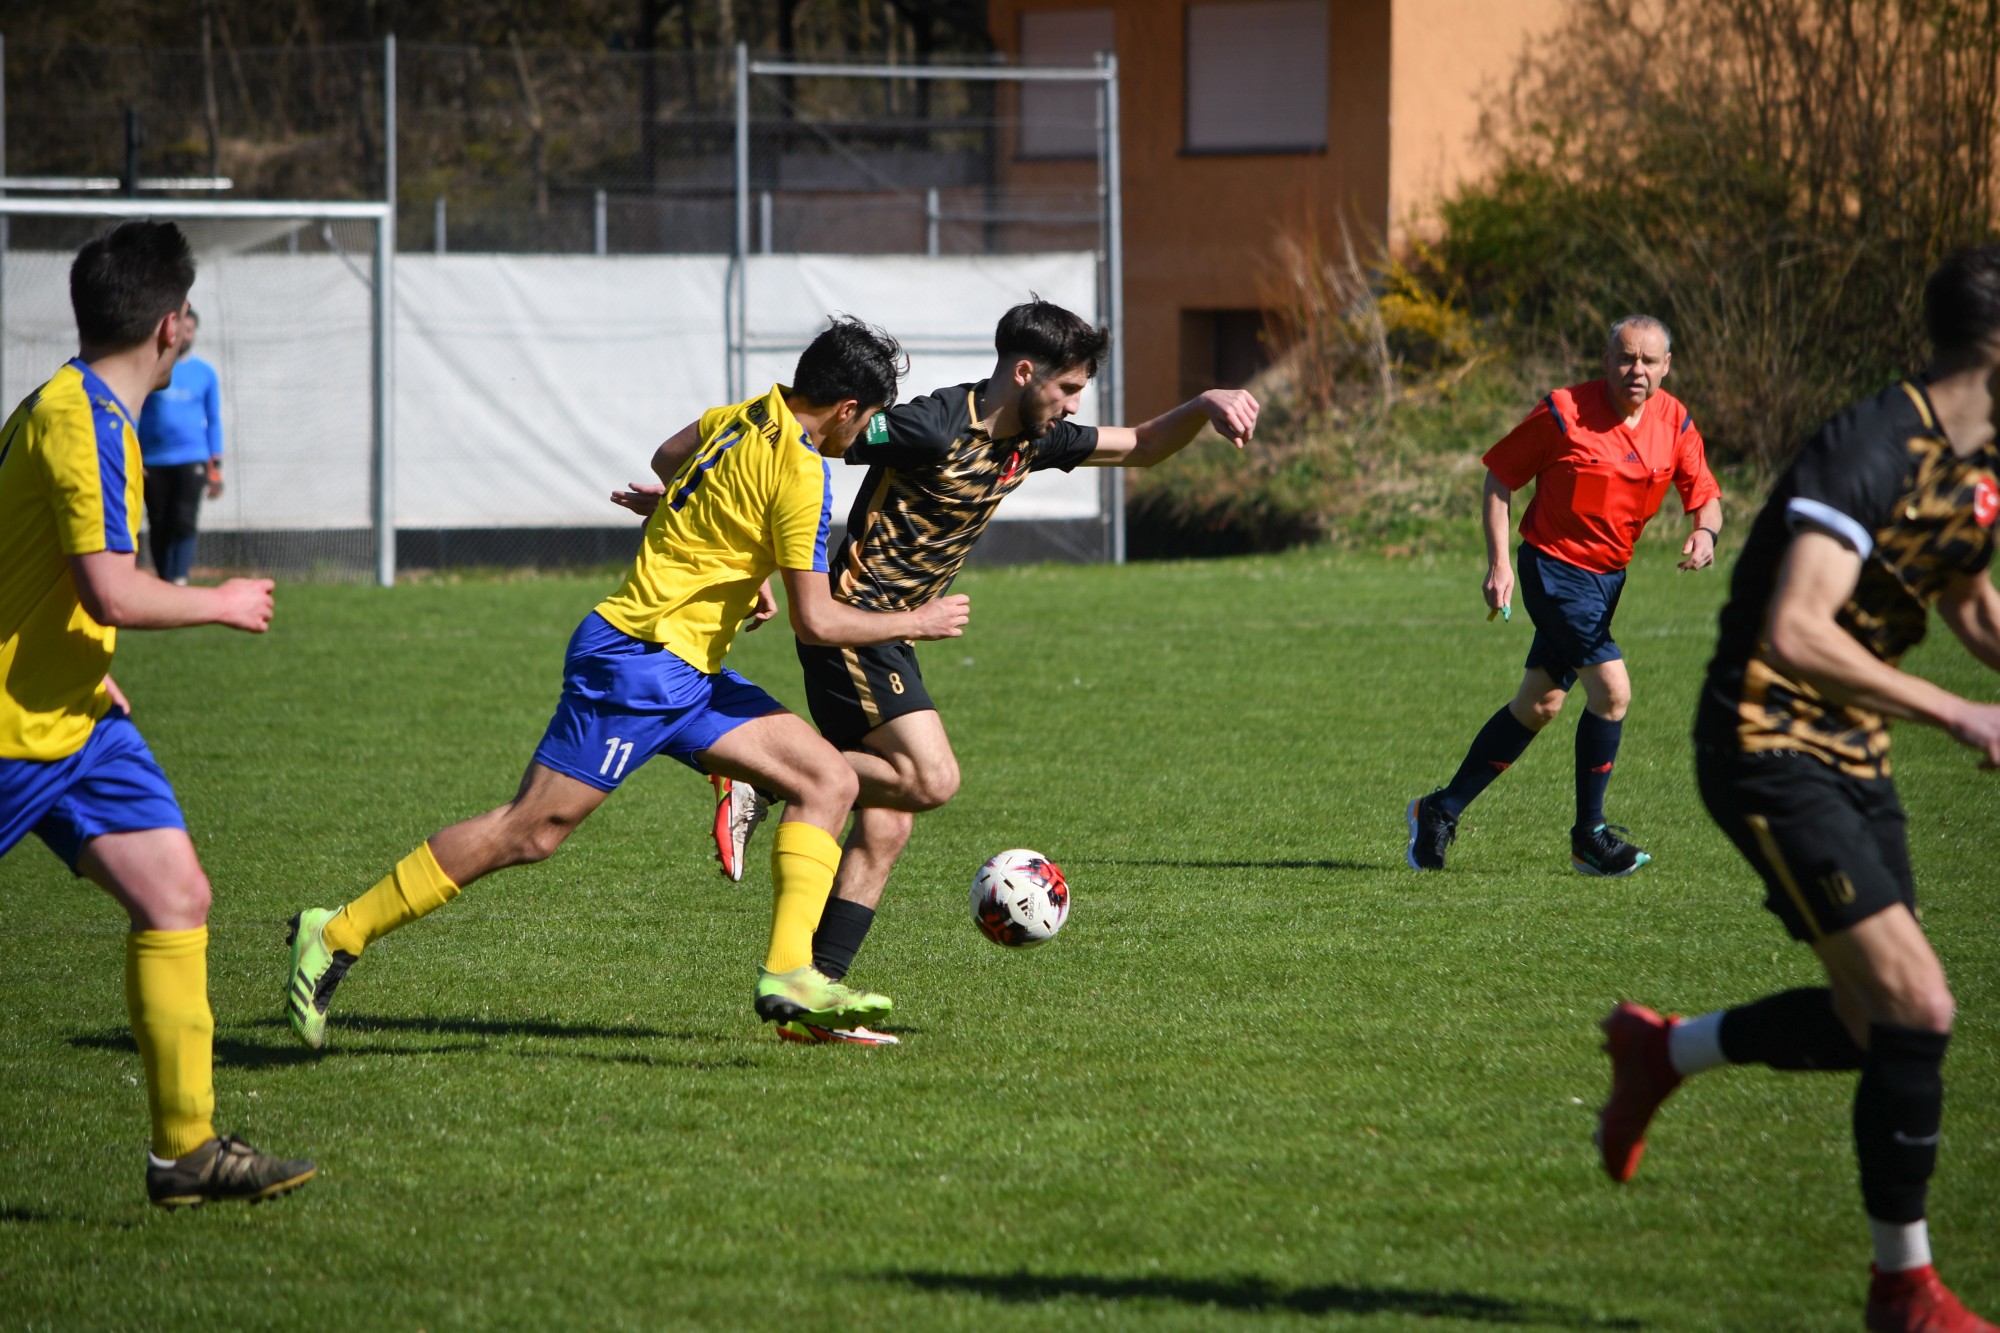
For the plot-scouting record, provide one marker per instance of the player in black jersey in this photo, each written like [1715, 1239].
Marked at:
[1887, 511]
[938, 468]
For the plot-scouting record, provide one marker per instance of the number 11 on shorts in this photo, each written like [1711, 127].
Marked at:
[621, 753]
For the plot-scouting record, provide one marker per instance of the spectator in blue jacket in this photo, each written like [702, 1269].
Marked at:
[180, 441]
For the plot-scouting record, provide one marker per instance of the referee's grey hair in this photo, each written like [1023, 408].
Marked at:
[1625, 322]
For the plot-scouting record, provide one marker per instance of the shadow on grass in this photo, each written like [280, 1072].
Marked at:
[238, 1053]
[490, 1027]
[1195, 863]
[235, 1053]
[1261, 1294]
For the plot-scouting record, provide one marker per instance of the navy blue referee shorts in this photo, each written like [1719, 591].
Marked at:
[1571, 609]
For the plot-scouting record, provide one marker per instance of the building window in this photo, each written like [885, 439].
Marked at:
[1060, 119]
[1221, 349]
[1256, 77]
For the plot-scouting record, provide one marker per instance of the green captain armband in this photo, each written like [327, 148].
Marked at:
[878, 429]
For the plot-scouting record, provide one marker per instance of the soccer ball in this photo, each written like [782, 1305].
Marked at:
[1019, 899]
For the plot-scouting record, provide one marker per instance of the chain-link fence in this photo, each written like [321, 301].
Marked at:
[524, 388]
[535, 151]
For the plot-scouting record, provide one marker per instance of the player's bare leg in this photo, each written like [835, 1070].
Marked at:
[1539, 700]
[547, 807]
[156, 877]
[906, 764]
[784, 756]
[906, 767]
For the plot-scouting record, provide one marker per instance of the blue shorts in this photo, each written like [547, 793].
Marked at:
[112, 785]
[625, 700]
[1572, 610]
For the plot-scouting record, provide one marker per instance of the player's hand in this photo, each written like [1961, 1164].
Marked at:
[1233, 413]
[215, 481]
[118, 698]
[1698, 551]
[943, 619]
[1978, 728]
[642, 498]
[1499, 588]
[767, 606]
[244, 604]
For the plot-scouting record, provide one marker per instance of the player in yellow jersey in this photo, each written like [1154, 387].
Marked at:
[74, 771]
[747, 494]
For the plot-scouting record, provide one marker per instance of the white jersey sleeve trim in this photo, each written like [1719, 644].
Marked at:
[1822, 515]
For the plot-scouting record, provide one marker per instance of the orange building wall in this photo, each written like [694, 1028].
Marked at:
[1450, 62]
[1405, 79]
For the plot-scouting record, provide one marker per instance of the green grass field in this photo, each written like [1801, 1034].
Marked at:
[1268, 1077]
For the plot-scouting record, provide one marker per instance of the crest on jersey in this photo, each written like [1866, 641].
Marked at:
[1986, 502]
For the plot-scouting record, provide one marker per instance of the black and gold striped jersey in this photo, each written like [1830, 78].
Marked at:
[1883, 478]
[934, 480]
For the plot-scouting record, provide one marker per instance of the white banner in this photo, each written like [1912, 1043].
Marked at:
[528, 387]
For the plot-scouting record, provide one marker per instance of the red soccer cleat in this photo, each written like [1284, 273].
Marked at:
[1917, 1301]
[739, 809]
[1642, 1076]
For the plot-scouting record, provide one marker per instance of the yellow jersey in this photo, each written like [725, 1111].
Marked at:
[70, 484]
[753, 498]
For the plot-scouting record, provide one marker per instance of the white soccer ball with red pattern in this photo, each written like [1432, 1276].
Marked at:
[1019, 899]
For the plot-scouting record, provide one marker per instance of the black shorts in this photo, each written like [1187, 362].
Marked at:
[1571, 608]
[1833, 849]
[173, 500]
[852, 691]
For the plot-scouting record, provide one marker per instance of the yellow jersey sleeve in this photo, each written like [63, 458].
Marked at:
[802, 512]
[69, 485]
[93, 488]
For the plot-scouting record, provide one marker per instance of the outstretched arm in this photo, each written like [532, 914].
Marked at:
[1817, 578]
[116, 592]
[819, 618]
[1233, 413]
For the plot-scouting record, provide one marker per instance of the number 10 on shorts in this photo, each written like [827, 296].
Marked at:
[613, 751]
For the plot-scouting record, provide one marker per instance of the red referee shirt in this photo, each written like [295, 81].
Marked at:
[1597, 480]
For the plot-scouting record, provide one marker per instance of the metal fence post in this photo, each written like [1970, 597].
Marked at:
[736, 316]
[385, 330]
[601, 225]
[1114, 263]
[932, 216]
[437, 226]
[764, 217]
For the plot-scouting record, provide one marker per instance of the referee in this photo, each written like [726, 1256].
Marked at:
[1601, 456]
[180, 440]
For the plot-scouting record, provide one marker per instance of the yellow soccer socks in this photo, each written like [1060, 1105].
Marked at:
[416, 887]
[166, 993]
[803, 860]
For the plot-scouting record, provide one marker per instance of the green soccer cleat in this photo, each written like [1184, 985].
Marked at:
[224, 1169]
[804, 995]
[316, 970]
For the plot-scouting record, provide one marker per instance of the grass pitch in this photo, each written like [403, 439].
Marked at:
[1268, 1077]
